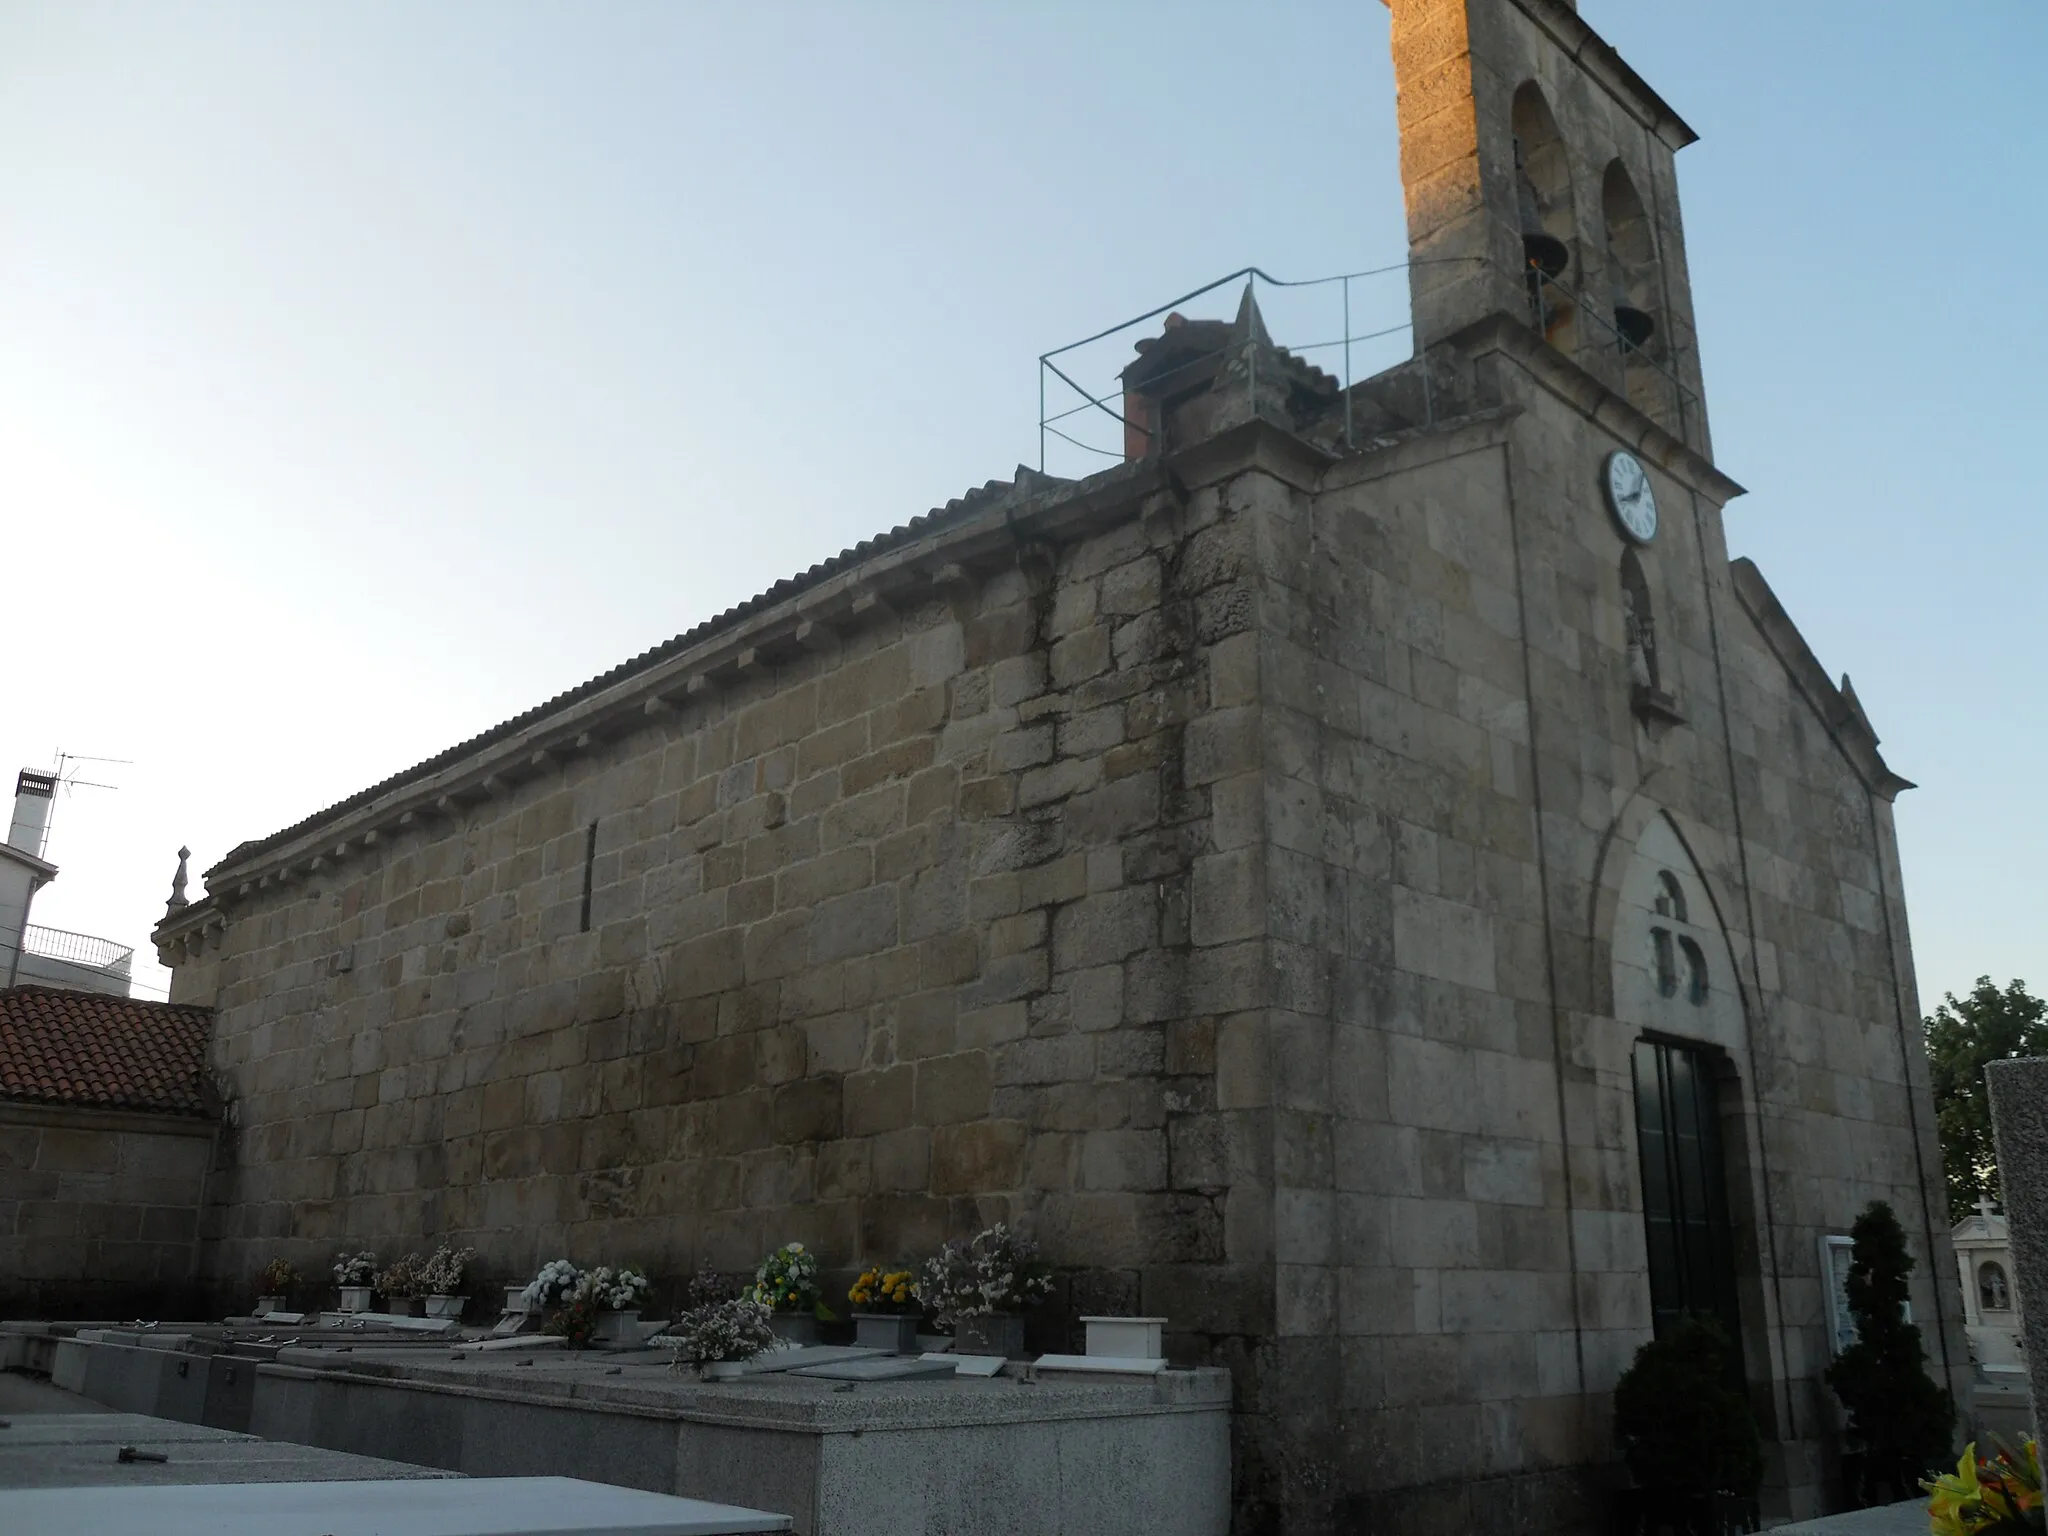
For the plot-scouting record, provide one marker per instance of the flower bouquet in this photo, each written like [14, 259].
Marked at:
[787, 1284]
[400, 1284]
[609, 1299]
[354, 1273]
[720, 1336]
[274, 1286]
[441, 1277]
[552, 1286]
[886, 1310]
[2000, 1497]
[979, 1287]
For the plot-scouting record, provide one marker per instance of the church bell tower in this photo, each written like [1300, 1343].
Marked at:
[1538, 170]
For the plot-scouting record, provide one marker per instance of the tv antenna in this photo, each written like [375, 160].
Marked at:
[67, 774]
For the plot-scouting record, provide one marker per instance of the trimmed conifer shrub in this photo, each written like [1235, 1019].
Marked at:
[1686, 1434]
[1898, 1418]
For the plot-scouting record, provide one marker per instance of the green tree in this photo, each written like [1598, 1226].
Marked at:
[1897, 1416]
[1964, 1034]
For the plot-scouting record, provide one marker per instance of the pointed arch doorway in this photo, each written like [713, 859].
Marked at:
[1675, 987]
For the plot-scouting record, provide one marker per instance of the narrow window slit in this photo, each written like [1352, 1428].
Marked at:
[589, 871]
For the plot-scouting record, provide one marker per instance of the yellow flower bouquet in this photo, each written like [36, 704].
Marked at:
[1999, 1497]
[884, 1290]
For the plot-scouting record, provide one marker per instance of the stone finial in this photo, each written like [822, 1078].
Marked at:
[178, 897]
[1250, 324]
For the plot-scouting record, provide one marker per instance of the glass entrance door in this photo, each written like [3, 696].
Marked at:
[1685, 1193]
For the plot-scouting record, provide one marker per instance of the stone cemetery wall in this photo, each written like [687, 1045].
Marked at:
[99, 1212]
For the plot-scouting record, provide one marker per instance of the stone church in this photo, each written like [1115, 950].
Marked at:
[1367, 878]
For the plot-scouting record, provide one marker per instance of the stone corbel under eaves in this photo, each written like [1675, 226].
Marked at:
[186, 933]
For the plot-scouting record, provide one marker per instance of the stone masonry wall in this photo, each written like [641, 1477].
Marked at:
[1456, 789]
[1240, 883]
[940, 927]
[99, 1211]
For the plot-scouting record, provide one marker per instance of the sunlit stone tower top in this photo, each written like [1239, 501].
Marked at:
[1538, 170]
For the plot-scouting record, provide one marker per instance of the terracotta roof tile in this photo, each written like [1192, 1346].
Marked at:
[91, 1049]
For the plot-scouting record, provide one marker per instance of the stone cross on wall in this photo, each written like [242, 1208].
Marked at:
[2019, 1122]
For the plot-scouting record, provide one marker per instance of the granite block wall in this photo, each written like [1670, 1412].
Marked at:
[99, 1211]
[945, 924]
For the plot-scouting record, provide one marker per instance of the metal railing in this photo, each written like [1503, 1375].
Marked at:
[1630, 355]
[1058, 367]
[77, 949]
[1280, 316]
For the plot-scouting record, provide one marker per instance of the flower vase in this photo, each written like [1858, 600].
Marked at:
[795, 1328]
[721, 1370]
[408, 1306]
[443, 1305]
[355, 1298]
[616, 1327]
[990, 1333]
[895, 1332]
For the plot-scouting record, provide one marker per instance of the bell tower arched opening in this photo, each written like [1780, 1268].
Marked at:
[1549, 227]
[1635, 290]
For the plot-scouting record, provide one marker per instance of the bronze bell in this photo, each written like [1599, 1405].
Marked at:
[1634, 326]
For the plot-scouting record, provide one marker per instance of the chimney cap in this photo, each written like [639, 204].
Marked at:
[33, 781]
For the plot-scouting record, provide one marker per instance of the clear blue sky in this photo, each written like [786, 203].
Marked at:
[369, 372]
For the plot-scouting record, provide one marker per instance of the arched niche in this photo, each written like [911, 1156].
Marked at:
[1639, 623]
[1549, 225]
[1994, 1291]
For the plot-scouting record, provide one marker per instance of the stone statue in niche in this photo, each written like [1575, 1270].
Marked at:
[1640, 630]
[1647, 696]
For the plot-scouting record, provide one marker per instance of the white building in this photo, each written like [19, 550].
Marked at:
[1991, 1302]
[29, 952]
[1991, 1319]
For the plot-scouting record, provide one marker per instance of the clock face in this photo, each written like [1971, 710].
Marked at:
[1629, 496]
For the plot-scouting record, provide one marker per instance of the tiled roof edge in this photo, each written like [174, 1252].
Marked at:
[836, 585]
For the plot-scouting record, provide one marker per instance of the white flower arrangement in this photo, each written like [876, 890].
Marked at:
[723, 1330]
[616, 1290]
[355, 1269]
[995, 1271]
[443, 1273]
[555, 1283]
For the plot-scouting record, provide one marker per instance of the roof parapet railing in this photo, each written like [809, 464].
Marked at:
[1687, 404]
[1047, 420]
[76, 949]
